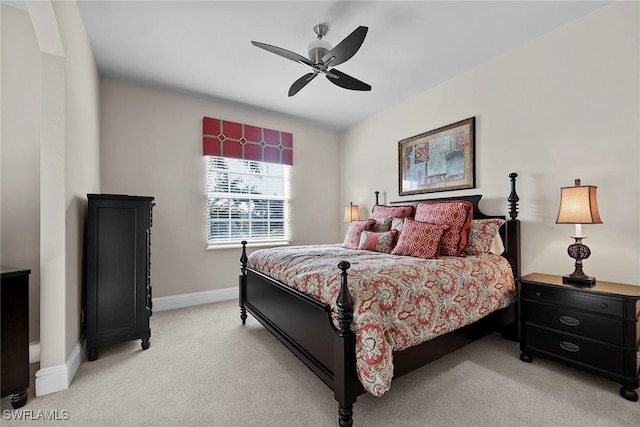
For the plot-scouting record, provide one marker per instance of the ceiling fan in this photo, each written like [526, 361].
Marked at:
[322, 56]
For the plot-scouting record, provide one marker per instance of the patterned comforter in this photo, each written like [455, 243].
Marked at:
[399, 301]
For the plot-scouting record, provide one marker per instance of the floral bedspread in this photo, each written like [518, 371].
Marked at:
[399, 301]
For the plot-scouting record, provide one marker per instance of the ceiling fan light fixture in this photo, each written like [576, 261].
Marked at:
[317, 49]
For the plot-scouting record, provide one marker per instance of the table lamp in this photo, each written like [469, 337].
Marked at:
[578, 205]
[351, 213]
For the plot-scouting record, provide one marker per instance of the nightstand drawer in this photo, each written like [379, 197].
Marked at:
[602, 356]
[576, 300]
[607, 329]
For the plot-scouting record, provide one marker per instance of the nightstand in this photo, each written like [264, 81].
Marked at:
[14, 315]
[595, 329]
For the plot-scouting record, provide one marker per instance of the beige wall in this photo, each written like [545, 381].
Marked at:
[20, 153]
[50, 147]
[151, 145]
[562, 107]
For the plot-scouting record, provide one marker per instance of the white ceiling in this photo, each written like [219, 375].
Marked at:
[203, 47]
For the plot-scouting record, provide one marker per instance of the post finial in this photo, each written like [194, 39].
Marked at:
[513, 197]
[243, 257]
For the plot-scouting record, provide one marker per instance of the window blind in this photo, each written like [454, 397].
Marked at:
[247, 200]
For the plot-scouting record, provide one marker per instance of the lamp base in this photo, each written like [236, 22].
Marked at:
[586, 281]
[579, 251]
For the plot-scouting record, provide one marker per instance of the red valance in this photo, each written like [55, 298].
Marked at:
[239, 141]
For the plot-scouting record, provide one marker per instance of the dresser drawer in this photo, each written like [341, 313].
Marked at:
[602, 356]
[603, 328]
[576, 300]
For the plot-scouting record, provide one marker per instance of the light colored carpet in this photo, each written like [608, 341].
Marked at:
[205, 369]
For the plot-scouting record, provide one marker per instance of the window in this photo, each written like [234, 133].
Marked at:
[247, 200]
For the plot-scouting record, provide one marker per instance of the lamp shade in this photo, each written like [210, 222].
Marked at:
[578, 205]
[351, 213]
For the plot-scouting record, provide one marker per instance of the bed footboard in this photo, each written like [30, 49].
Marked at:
[305, 327]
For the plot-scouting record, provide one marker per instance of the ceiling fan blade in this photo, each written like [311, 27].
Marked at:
[284, 53]
[346, 48]
[346, 81]
[301, 82]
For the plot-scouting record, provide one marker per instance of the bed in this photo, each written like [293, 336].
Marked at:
[323, 324]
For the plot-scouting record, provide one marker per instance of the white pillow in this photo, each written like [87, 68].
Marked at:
[497, 247]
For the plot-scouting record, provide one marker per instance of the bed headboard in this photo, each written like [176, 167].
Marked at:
[474, 199]
[510, 231]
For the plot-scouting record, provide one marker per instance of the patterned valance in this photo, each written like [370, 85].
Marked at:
[239, 141]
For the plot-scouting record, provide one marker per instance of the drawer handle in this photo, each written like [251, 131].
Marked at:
[569, 321]
[569, 346]
[604, 305]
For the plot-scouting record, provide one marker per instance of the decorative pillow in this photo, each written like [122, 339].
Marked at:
[456, 215]
[497, 246]
[419, 239]
[396, 224]
[378, 242]
[383, 212]
[483, 232]
[383, 224]
[352, 238]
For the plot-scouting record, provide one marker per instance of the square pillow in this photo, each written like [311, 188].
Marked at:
[483, 233]
[352, 238]
[456, 215]
[383, 224]
[419, 239]
[379, 242]
[383, 212]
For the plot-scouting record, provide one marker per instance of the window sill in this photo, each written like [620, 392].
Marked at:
[250, 245]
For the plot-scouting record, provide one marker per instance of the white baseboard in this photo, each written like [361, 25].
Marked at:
[57, 378]
[196, 298]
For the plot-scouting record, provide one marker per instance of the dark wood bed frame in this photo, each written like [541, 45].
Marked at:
[304, 324]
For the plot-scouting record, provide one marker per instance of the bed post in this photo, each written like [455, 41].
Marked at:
[512, 253]
[512, 244]
[344, 375]
[243, 282]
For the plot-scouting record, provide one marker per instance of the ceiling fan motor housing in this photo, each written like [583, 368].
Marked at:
[319, 47]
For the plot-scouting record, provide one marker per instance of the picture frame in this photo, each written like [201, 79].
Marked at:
[442, 159]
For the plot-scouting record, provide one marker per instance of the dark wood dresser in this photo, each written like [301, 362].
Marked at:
[14, 303]
[118, 285]
[594, 328]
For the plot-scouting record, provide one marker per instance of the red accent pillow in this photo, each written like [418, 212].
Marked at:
[419, 239]
[352, 238]
[456, 215]
[483, 231]
[378, 242]
[382, 212]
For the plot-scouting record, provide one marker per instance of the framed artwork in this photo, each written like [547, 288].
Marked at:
[442, 159]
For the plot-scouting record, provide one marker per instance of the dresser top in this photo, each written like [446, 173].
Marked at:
[9, 271]
[118, 197]
[600, 286]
